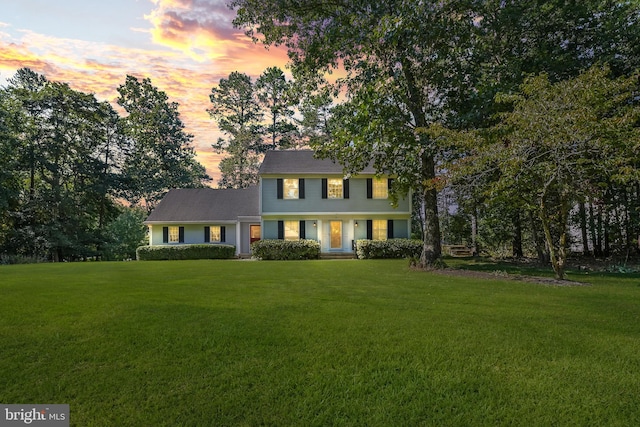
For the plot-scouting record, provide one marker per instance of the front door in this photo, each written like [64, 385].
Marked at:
[254, 232]
[336, 234]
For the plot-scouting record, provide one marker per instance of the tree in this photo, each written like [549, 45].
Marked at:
[276, 97]
[238, 114]
[403, 63]
[161, 155]
[59, 134]
[559, 142]
[125, 233]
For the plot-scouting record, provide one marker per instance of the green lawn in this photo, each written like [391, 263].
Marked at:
[371, 343]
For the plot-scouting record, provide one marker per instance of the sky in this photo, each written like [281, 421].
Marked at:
[184, 46]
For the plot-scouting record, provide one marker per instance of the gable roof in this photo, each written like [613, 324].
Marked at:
[206, 205]
[288, 162]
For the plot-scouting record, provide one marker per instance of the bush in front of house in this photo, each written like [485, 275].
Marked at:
[391, 248]
[286, 249]
[182, 252]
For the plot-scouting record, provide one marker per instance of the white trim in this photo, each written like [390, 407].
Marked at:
[203, 222]
[302, 215]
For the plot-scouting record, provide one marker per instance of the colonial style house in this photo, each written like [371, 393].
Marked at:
[298, 197]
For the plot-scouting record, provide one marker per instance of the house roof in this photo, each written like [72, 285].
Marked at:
[206, 205]
[288, 162]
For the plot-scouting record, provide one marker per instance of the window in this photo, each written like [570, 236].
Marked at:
[334, 188]
[215, 234]
[380, 188]
[291, 230]
[290, 187]
[379, 229]
[174, 234]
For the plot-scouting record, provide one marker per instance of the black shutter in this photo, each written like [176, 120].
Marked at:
[303, 230]
[207, 234]
[389, 184]
[345, 189]
[223, 233]
[390, 229]
[301, 188]
[181, 235]
[324, 188]
[280, 230]
[279, 189]
[369, 188]
[165, 234]
[369, 229]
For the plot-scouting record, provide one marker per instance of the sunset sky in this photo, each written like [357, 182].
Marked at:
[184, 46]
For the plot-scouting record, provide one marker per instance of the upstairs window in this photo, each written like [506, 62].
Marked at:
[334, 188]
[291, 188]
[380, 188]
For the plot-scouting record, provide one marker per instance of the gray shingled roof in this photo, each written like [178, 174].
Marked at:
[206, 205]
[300, 162]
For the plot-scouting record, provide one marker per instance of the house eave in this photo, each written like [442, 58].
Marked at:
[203, 221]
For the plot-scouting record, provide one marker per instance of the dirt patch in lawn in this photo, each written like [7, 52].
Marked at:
[548, 281]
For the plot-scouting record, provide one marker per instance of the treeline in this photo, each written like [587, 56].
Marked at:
[524, 109]
[77, 178]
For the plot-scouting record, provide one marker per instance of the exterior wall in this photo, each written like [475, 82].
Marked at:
[313, 209]
[193, 234]
[321, 231]
[313, 201]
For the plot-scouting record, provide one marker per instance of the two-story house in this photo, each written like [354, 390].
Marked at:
[299, 197]
[304, 197]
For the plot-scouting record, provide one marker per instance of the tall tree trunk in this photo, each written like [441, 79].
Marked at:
[592, 230]
[539, 241]
[600, 251]
[516, 243]
[431, 250]
[583, 227]
[474, 231]
[558, 255]
[606, 223]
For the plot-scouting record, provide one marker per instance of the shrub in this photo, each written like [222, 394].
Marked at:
[181, 252]
[286, 249]
[6, 259]
[392, 248]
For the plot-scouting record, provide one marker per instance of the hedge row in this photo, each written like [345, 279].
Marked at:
[392, 248]
[181, 252]
[285, 249]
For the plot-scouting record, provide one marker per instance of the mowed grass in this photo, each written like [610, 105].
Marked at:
[316, 343]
